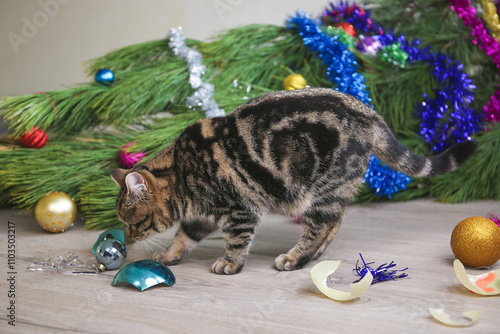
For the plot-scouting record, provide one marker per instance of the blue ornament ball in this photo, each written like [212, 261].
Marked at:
[104, 76]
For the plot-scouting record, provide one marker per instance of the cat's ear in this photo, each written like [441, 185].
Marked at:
[119, 175]
[136, 185]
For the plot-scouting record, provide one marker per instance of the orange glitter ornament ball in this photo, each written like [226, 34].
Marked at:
[475, 241]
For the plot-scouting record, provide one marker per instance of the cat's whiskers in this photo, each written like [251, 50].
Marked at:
[156, 243]
[149, 249]
[140, 247]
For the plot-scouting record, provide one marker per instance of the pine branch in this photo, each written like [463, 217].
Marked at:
[254, 55]
[98, 202]
[126, 58]
[163, 131]
[144, 91]
[73, 110]
[28, 174]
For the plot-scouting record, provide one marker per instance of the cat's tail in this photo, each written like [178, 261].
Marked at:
[388, 149]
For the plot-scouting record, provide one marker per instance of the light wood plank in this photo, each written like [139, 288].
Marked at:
[260, 299]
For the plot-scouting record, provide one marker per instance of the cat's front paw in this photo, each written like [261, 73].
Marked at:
[224, 267]
[166, 258]
[287, 262]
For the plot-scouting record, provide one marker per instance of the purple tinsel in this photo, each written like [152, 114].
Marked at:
[381, 273]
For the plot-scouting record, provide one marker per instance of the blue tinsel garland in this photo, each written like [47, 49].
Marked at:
[342, 70]
[340, 62]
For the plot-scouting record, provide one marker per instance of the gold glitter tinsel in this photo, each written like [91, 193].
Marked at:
[490, 17]
[294, 81]
[475, 241]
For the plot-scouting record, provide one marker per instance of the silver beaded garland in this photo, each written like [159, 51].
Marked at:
[203, 96]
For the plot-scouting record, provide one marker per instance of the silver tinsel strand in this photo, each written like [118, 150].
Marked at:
[203, 96]
[60, 263]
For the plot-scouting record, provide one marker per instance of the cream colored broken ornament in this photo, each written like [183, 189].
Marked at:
[440, 315]
[320, 273]
[487, 284]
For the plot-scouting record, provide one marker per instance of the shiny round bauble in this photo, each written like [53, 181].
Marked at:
[116, 233]
[111, 254]
[34, 138]
[475, 241]
[55, 212]
[104, 76]
[294, 81]
[348, 28]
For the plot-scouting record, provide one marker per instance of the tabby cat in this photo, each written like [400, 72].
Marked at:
[299, 153]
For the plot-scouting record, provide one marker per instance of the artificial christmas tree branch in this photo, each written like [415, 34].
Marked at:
[241, 63]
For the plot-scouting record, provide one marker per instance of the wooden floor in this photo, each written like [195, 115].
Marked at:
[259, 299]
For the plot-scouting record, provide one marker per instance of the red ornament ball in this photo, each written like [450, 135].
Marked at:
[348, 28]
[34, 138]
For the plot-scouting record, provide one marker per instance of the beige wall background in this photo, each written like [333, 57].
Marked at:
[44, 42]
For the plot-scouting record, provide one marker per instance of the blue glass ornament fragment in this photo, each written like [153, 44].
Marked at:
[111, 254]
[104, 76]
[144, 274]
[117, 233]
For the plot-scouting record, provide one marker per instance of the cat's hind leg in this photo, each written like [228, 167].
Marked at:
[188, 235]
[320, 227]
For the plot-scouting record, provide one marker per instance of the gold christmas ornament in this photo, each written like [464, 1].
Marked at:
[55, 212]
[294, 81]
[475, 241]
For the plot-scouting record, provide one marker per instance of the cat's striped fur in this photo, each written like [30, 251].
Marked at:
[295, 153]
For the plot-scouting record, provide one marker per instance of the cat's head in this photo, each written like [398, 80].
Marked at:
[137, 206]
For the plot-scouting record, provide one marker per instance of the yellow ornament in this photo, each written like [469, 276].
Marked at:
[294, 81]
[55, 212]
[475, 241]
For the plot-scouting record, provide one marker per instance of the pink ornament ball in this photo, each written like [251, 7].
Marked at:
[130, 159]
